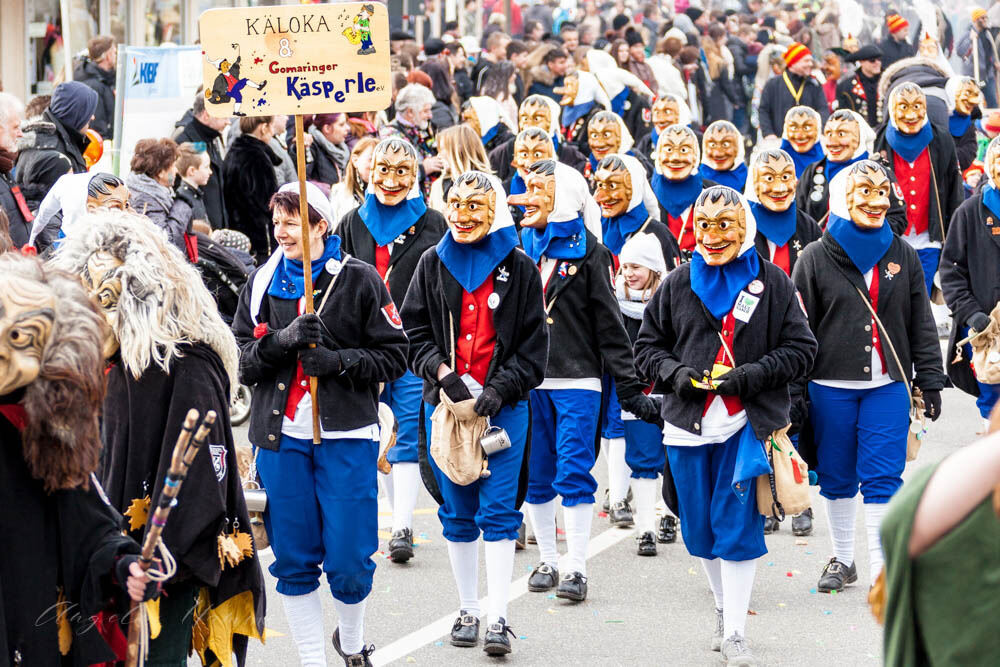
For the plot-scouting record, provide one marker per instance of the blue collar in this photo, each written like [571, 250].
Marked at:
[618, 102]
[472, 263]
[865, 247]
[958, 124]
[718, 286]
[288, 281]
[991, 200]
[617, 230]
[676, 196]
[559, 240]
[777, 227]
[735, 178]
[802, 160]
[909, 146]
[386, 223]
[833, 168]
[571, 114]
[655, 137]
[517, 187]
[490, 133]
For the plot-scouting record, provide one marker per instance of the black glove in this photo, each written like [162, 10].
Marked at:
[489, 403]
[797, 413]
[305, 330]
[319, 361]
[121, 574]
[683, 386]
[733, 383]
[454, 388]
[643, 407]
[978, 321]
[932, 404]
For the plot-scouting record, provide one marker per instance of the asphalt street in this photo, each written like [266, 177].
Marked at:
[639, 610]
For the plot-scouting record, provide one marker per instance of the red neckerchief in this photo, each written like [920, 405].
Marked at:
[15, 414]
[782, 259]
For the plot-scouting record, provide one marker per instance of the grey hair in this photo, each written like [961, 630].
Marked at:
[722, 124]
[612, 162]
[535, 100]
[543, 167]
[102, 183]
[842, 114]
[163, 304]
[717, 192]
[476, 179]
[763, 157]
[677, 128]
[413, 96]
[908, 86]
[606, 116]
[534, 133]
[395, 145]
[10, 105]
[803, 110]
[866, 167]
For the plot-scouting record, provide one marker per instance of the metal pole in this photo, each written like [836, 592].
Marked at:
[506, 13]
[116, 144]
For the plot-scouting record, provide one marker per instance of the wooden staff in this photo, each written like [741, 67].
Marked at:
[300, 160]
[184, 453]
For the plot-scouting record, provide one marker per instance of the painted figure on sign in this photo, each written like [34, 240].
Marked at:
[228, 85]
[362, 27]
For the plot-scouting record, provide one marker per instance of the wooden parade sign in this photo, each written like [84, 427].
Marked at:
[296, 59]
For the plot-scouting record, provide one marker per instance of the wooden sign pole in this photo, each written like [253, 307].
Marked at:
[300, 167]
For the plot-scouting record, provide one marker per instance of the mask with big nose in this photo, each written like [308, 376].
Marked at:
[774, 182]
[604, 134]
[868, 194]
[802, 128]
[27, 316]
[677, 153]
[721, 146]
[394, 170]
[471, 208]
[538, 199]
[908, 105]
[614, 188]
[719, 226]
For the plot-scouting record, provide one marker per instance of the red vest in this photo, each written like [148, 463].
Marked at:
[382, 262]
[476, 335]
[733, 403]
[916, 184]
[683, 230]
[782, 259]
[873, 293]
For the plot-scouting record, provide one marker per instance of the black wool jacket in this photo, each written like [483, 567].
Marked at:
[406, 251]
[970, 277]
[359, 320]
[433, 306]
[47, 150]
[587, 337]
[250, 182]
[775, 347]
[829, 282]
[192, 130]
[806, 231]
[812, 195]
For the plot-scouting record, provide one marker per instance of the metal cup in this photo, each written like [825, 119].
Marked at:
[494, 440]
[256, 499]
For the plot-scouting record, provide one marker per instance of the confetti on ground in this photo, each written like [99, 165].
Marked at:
[603, 515]
[812, 590]
[552, 596]
[410, 658]
[439, 643]
[809, 553]
[551, 610]
[751, 612]
[614, 621]
[827, 612]
[522, 636]
[770, 563]
[788, 574]
[782, 604]
[796, 572]
[801, 543]
[833, 592]
[691, 571]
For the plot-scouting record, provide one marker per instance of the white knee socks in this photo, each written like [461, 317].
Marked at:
[499, 568]
[841, 514]
[352, 625]
[737, 582]
[873, 522]
[543, 526]
[577, 520]
[644, 494]
[305, 618]
[713, 570]
[618, 471]
[464, 557]
[406, 484]
[385, 481]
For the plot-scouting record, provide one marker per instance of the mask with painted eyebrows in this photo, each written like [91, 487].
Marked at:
[721, 147]
[534, 113]
[393, 174]
[103, 282]
[968, 97]
[470, 118]
[868, 197]
[538, 199]
[677, 155]
[665, 112]
[569, 89]
[719, 230]
[841, 138]
[471, 210]
[604, 135]
[909, 109]
[27, 316]
[614, 190]
[802, 130]
[529, 149]
[775, 183]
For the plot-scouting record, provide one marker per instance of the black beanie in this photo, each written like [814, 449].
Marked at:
[633, 37]
[619, 22]
[73, 104]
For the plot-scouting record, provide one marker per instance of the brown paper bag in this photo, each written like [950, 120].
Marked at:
[455, 433]
[790, 491]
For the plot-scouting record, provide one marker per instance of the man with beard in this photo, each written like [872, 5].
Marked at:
[12, 200]
[794, 87]
[412, 122]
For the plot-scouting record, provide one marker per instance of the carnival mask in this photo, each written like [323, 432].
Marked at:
[868, 197]
[719, 229]
[678, 155]
[393, 172]
[471, 208]
[614, 190]
[569, 89]
[909, 109]
[470, 118]
[27, 315]
[721, 147]
[604, 136]
[775, 183]
[116, 199]
[802, 130]
[968, 97]
[928, 47]
[102, 281]
[538, 199]
[992, 162]
[665, 113]
[529, 149]
[841, 139]
[534, 113]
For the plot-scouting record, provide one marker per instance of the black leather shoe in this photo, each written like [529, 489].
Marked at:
[401, 546]
[771, 525]
[802, 524]
[667, 534]
[354, 659]
[496, 642]
[647, 544]
[520, 541]
[606, 507]
[835, 576]
[621, 515]
[543, 578]
[572, 586]
[465, 631]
